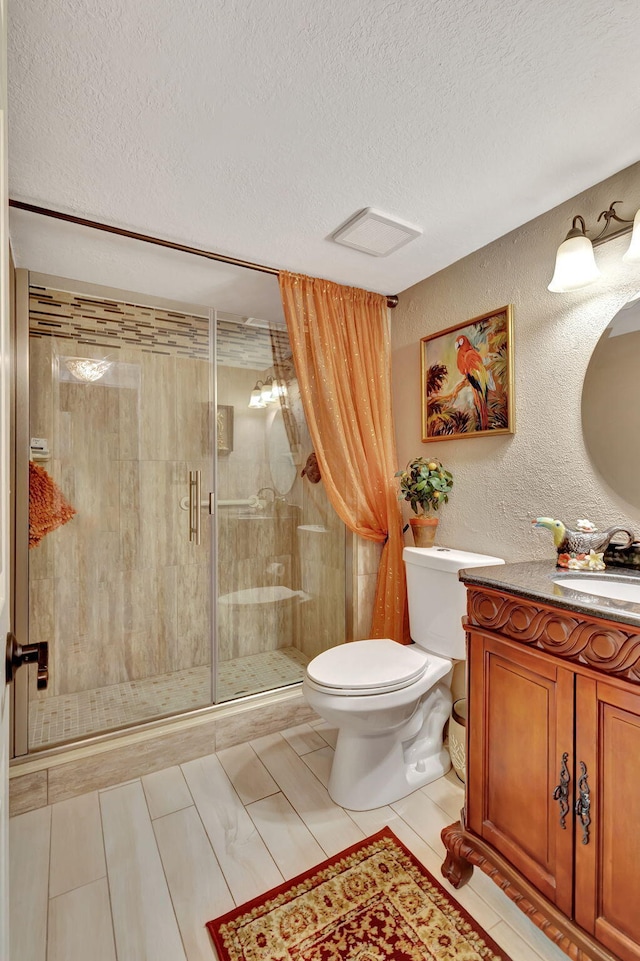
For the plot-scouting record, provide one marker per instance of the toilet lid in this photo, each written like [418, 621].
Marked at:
[367, 667]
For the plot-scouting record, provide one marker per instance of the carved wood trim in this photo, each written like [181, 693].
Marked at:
[607, 647]
[465, 851]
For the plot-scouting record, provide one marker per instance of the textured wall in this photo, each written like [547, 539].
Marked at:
[118, 591]
[502, 482]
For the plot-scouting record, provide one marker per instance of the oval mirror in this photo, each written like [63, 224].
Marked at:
[283, 470]
[611, 404]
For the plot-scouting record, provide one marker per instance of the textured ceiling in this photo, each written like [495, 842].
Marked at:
[255, 128]
[91, 256]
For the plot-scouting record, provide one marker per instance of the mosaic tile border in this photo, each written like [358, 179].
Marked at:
[117, 324]
[109, 323]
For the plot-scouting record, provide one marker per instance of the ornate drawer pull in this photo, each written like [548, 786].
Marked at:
[583, 804]
[561, 792]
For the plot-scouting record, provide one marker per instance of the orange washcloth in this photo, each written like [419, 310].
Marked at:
[48, 507]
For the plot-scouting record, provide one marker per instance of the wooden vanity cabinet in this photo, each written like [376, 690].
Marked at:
[552, 811]
[607, 857]
[521, 723]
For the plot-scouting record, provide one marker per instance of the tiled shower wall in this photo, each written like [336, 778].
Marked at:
[256, 549]
[118, 591]
[277, 547]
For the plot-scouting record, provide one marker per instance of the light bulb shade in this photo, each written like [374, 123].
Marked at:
[256, 401]
[575, 264]
[632, 255]
[267, 391]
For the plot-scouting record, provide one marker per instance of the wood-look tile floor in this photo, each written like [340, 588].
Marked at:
[133, 872]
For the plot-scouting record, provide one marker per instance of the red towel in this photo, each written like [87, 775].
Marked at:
[48, 507]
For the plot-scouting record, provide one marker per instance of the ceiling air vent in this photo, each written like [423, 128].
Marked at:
[375, 233]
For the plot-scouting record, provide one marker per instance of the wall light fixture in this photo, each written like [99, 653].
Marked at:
[255, 400]
[575, 263]
[267, 391]
[86, 369]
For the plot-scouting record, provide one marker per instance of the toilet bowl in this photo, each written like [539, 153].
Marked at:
[385, 748]
[390, 702]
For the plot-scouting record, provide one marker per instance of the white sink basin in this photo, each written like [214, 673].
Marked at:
[619, 590]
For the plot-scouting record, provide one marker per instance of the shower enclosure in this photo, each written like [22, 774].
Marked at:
[177, 557]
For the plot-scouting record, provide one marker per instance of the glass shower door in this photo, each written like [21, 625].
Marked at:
[121, 537]
[280, 582]
[150, 604]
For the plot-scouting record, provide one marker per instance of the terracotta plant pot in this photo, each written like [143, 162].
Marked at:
[423, 530]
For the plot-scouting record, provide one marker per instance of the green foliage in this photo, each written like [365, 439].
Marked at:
[498, 342]
[448, 421]
[436, 376]
[499, 368]
[497, 415]
[425, 484]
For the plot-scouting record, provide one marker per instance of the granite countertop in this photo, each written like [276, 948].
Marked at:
[535, 581]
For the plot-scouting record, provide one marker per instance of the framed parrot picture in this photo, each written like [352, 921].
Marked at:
[466, 378]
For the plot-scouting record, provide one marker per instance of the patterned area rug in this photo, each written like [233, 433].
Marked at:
[372, 902]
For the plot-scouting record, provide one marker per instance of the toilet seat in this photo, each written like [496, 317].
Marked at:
[367, 667]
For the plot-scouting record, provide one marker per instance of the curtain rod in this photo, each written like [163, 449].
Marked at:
[392, 301]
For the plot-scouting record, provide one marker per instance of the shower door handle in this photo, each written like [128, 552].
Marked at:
[195, 486]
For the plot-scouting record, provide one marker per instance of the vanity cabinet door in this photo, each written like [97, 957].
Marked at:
[607, 895]
[521, 706]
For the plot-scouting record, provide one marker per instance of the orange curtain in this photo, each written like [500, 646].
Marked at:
[340, 342]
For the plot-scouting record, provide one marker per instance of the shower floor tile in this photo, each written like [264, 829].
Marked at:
[260, 672]
[67, 717]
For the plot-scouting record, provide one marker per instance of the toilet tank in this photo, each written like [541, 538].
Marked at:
[437, 599]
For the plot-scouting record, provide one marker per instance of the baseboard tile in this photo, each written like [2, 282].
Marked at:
[120, 760]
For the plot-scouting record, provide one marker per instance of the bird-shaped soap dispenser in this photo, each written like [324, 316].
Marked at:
[583, 548]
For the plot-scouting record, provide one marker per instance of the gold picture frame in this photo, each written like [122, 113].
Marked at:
[224, 428]
[466, 379]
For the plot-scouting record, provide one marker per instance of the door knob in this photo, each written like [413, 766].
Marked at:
[18, 654]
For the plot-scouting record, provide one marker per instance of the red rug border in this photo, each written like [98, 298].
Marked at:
[387, 832]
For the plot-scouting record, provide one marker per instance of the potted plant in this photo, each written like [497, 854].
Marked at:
[425, 484]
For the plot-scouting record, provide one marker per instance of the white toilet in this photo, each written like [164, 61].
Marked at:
[389, 701]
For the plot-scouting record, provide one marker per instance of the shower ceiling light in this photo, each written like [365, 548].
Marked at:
[86, 369]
